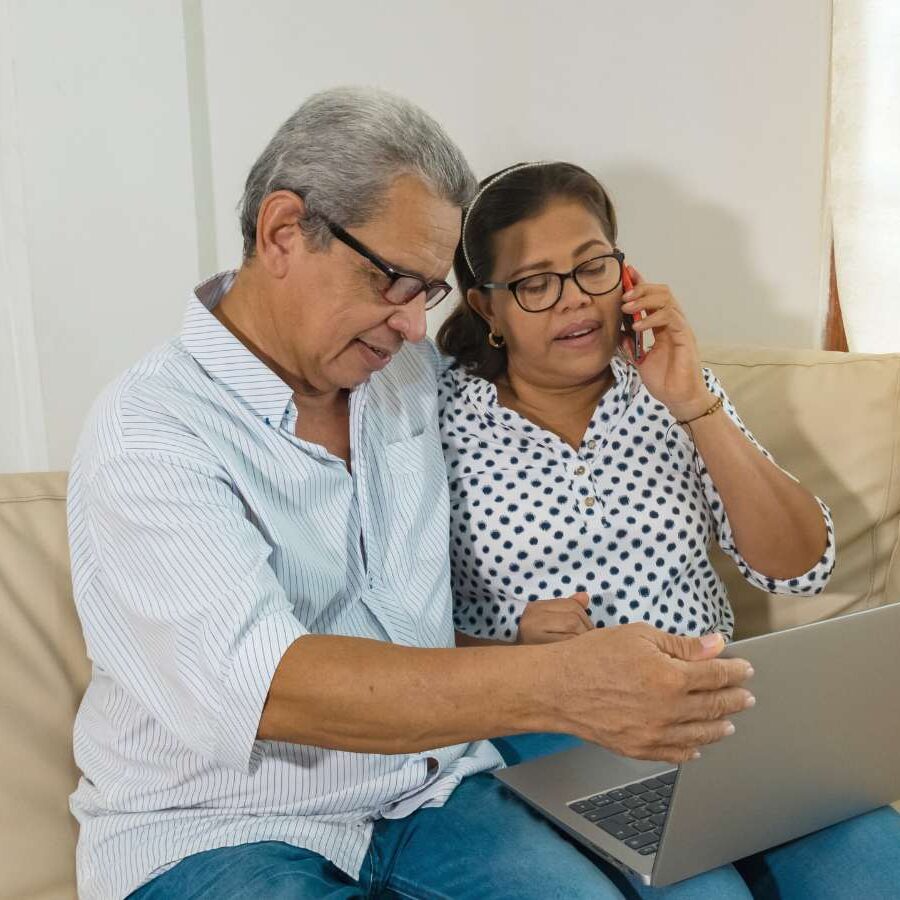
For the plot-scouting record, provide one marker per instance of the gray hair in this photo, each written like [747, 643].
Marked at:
[341, 150]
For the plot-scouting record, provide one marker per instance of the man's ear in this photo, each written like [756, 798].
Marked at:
[481, 302]
[278, 232]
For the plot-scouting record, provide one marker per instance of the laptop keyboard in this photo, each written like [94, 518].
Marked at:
[633, 814]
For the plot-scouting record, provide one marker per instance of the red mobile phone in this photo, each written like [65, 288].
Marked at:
[629, 320]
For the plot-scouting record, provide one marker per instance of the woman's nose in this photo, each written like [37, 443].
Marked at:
[572, 295]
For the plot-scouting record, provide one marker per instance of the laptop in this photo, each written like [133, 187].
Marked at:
[821, 745]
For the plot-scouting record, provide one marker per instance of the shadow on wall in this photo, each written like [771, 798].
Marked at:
[704, 253]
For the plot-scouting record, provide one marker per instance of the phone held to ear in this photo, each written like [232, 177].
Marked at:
[629, 320]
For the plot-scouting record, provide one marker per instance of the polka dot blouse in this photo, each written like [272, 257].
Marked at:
[626, 518]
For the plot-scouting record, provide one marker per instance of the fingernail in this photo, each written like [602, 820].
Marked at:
[750, 701]
[710, 640]
[750, 671]
[729, 728]
[695, 754]
[627, 295]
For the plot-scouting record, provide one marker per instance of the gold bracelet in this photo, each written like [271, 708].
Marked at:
[714, 408]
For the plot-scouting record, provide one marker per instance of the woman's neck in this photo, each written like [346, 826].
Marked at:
[566, 411]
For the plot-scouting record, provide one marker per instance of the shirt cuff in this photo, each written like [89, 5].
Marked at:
[245, 686]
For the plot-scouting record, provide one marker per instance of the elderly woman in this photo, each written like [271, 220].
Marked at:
[588, 475]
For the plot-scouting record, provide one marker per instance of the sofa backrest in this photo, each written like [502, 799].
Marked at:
[833, 421]
[43, 674]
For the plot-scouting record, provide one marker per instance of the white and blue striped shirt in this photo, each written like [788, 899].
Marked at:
[206, 538]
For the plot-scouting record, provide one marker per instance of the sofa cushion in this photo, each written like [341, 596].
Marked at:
[833, 421]
[43, 673]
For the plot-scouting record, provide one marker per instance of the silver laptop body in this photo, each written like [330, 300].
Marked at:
[821, 745]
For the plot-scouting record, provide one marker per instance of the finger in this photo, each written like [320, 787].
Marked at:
[698, 734]
[712, 705]
[662, 318]
[636, 277]
[647, 297]
[661, 753]
[716, 674]
[685, 648]
[582, 599]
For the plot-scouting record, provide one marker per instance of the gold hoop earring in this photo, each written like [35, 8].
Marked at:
[496, 340]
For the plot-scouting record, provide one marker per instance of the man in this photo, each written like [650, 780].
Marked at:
[258, 524]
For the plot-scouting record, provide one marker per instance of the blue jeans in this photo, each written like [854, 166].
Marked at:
[486, 844]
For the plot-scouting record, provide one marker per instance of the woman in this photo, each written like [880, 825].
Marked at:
[587, 480]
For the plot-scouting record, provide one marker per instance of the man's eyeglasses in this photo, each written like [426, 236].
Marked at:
[403, 286]
[536, 293]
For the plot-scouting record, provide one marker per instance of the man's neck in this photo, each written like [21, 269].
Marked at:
[247, 312]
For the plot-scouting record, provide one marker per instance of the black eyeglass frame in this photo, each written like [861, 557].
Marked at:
[511, 286]
[428, 288]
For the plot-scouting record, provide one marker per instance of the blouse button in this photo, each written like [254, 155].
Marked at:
[589, 501]
[579, 470]
[591, 445]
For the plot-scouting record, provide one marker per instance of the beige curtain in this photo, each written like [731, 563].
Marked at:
[864, 156]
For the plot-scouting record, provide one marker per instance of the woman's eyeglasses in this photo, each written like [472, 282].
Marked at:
[539, 292]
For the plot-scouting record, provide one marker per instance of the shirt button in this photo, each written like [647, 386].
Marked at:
[579, 470]
[589, 501]
[591, 445]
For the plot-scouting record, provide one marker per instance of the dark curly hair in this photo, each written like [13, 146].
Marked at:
[518, 195]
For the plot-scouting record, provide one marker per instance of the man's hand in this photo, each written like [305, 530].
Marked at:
[545, 621]
[643, 693]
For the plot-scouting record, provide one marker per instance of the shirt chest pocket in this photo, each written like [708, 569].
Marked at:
[416, 489]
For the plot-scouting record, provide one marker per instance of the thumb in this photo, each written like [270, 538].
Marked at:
[582, 598]
[691, 648]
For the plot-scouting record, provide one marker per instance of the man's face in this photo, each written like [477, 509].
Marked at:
[335, 320]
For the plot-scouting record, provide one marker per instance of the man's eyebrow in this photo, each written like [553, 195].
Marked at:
[545, 263]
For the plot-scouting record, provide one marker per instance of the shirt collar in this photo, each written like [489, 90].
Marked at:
[226, 359]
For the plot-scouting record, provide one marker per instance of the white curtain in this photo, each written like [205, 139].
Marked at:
[23, 442]
[865, 170]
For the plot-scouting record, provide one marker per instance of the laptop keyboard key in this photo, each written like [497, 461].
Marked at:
[658, 819]
[581, 806]
[600, 800]
[645, 826]
[617, 828]
[650, 796]
[593, 815]
[633, 802]
[646, 851]
[641, 812]
[636, 788]
[665, 791]
[660, 807]
[668, 777]
[641, 840]
[651, 784]
[619, 795]
[613, 809]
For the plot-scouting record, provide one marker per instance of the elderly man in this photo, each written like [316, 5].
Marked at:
[259, 531]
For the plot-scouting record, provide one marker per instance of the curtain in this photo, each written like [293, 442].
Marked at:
[864, 170]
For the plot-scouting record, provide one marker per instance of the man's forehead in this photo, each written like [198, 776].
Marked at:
[417, 226]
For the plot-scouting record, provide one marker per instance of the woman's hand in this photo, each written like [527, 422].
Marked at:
[559, 619]
[671, 368]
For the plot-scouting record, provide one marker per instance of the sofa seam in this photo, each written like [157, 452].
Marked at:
[30, 498]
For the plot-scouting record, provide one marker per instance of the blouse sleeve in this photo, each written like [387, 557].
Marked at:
[810, 582]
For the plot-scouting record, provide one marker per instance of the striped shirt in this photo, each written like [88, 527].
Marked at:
[205, 539]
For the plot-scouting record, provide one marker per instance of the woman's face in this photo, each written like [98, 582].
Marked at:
[540, 349]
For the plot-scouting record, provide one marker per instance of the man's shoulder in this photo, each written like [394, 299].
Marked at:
[140, 407]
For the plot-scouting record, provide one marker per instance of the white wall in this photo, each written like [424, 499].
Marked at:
[137, 122]
[705, 119]
[104, 143]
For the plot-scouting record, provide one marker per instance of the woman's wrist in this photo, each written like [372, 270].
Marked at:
[694, 408]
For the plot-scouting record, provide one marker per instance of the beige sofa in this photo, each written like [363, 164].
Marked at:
[832, 419]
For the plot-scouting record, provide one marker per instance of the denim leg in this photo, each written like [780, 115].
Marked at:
[483, 844]
[856, 858]
[269, 869]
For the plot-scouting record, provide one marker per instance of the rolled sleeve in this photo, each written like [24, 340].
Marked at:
[187, 613]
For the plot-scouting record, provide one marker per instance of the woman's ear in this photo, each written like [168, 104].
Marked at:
[480, 302]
